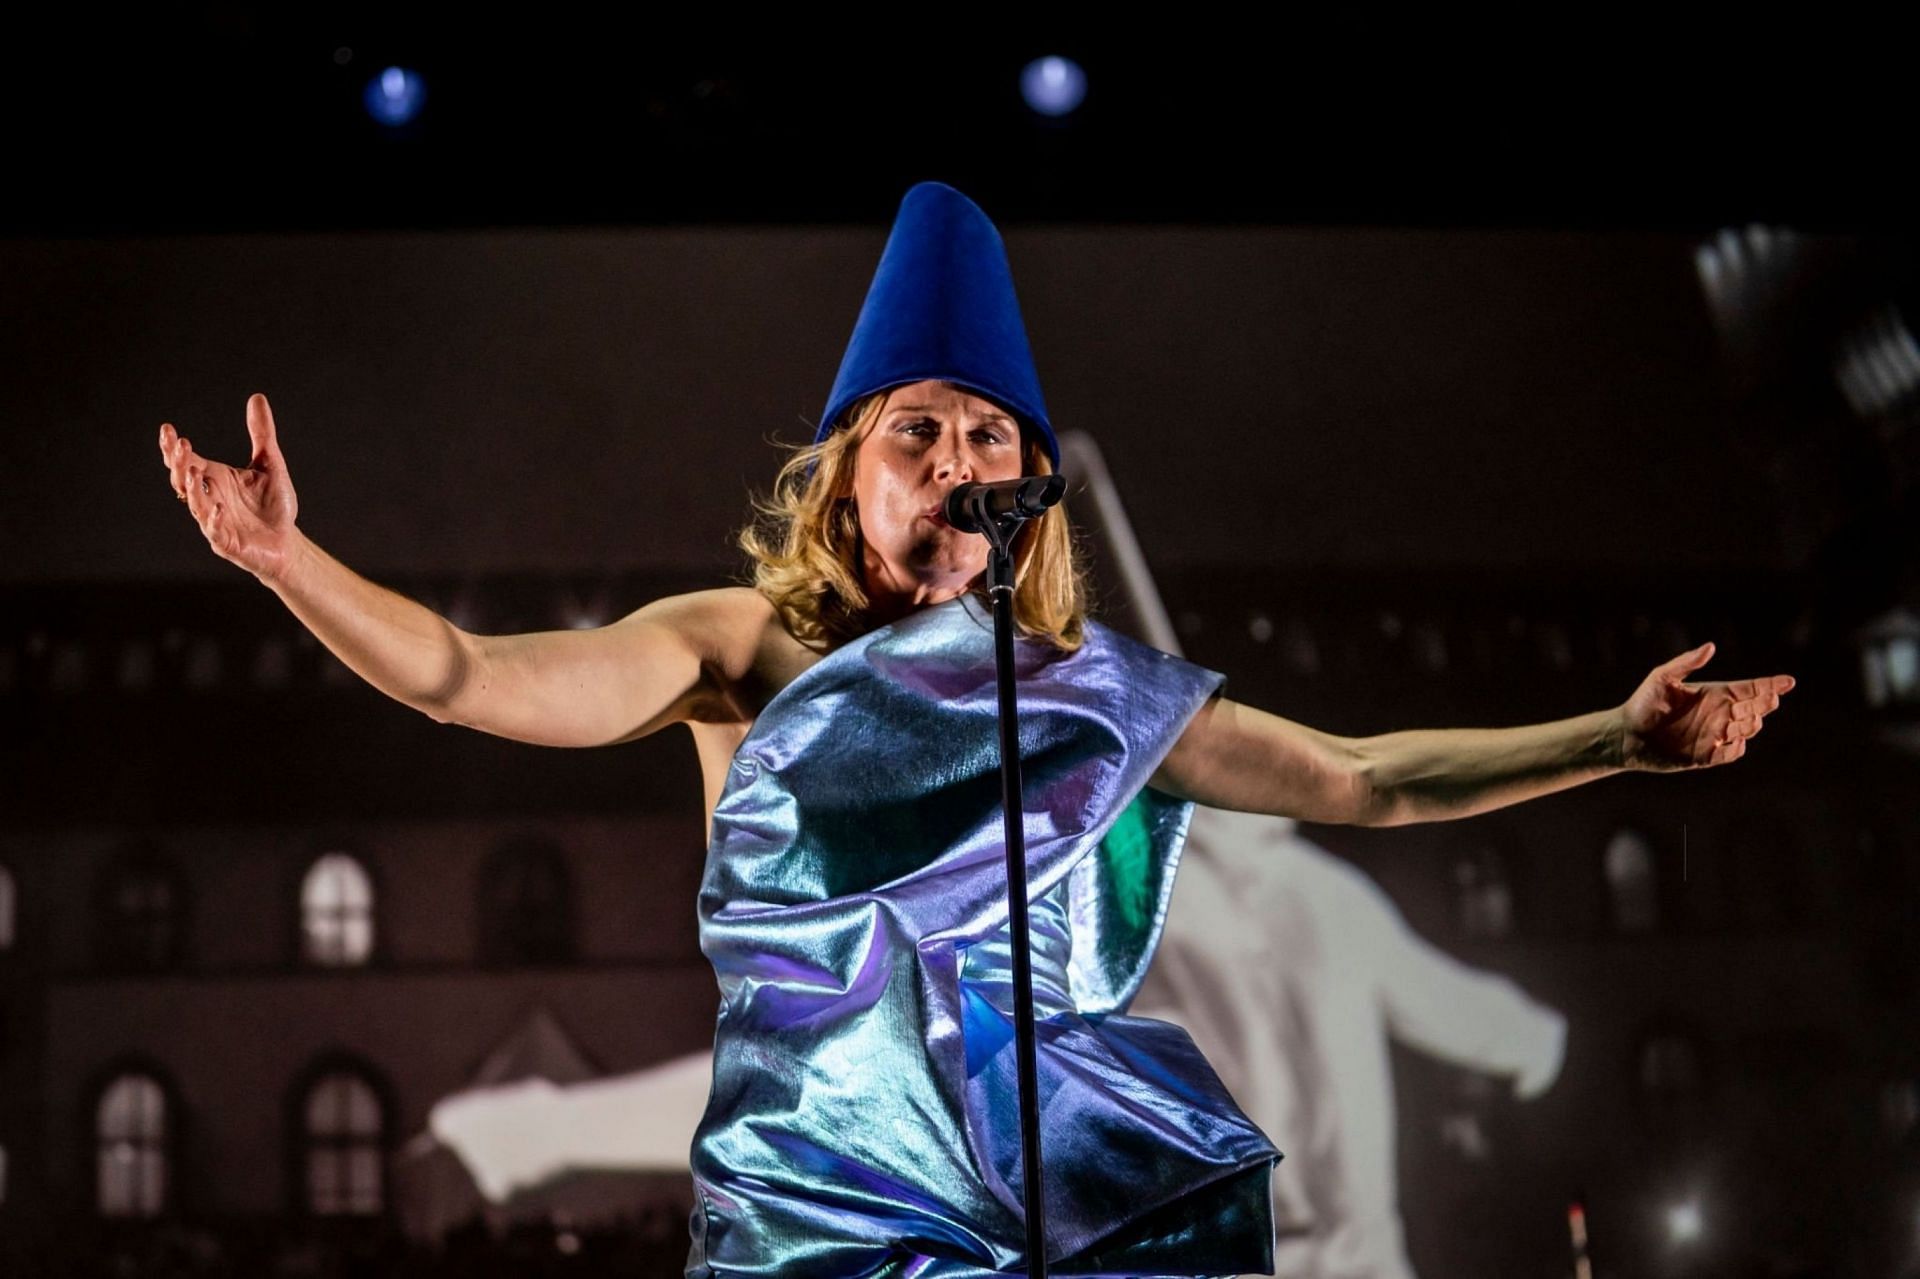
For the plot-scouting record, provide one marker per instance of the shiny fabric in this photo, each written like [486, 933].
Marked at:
[864, 1119]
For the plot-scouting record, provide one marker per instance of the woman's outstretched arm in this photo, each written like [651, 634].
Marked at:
[556, 688]
[1233, 756]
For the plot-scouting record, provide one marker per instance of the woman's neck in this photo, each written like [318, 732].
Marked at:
[886, 607]
[888, 601]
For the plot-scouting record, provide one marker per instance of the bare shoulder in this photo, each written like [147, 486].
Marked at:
[723, 626]
[744, 650]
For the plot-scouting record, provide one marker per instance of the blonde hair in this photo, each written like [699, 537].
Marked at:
[806, 546]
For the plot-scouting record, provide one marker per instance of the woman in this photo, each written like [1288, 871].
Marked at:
[862, 1118]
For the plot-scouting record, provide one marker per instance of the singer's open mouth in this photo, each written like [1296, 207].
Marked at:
[938, 517]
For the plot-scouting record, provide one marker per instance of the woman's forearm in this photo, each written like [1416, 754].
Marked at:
[1438, 774]
[401, 647]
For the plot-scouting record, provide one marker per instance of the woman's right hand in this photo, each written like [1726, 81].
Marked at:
[246, 515]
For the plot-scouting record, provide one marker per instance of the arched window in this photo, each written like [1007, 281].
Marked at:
[336, 912]
[1483, 891]
[526, 905]
[131, 1147]
[1633, 889]
[342, 1142]
[8, 904]
[138, 913]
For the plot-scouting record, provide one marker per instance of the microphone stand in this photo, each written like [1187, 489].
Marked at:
[999, 532]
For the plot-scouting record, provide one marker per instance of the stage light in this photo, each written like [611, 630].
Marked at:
[1877, 366]
[1683, 1223]
[583, 611]
[1890, 661]
[1745, 271]
[582, 615]
[1053, 86]
[395, 96]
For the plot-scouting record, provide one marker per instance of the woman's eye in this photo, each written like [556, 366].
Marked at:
[931, 429]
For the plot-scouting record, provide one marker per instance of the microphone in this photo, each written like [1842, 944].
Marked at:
[1003, 501]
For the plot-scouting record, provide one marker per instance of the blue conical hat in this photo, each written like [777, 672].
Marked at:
[941, 308]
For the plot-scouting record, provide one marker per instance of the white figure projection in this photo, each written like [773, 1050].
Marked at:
[516, 1136]
[1291, 970]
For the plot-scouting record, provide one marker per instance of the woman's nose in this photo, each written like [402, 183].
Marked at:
[957, 466]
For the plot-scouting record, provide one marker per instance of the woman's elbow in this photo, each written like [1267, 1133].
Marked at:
[1335, 790]
[1359, 794]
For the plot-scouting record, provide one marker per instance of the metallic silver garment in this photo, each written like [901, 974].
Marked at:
[863, 1119]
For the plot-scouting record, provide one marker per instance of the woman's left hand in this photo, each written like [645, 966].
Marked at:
[1672, 725]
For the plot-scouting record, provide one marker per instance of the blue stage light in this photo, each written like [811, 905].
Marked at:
[1053, 85]
[395, 96]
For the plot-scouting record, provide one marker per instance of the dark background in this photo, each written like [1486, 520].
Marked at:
[1386, 331]
[242, 117]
